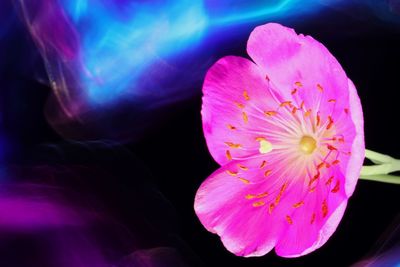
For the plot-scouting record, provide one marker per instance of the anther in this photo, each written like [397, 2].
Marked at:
[286, 103]
[271, 208]
[299, 84]
[321, 165]
[258, 204]
[336, 161]
[231, 173]
[270, 113]
[315, 177]
[231, 127]
[289, 219]
[263, 163]
[324, 208]
[243, 180]
[233, 145]
[242, 167]
[298, 204]
[313, 218]
[251, 196]
[239, 105]
[330, 123]
[246, 95]
[320, 88]
[330, 147]
[245, 118]
[329, 181]
[336, 188]
[267, 173]
[228, 155]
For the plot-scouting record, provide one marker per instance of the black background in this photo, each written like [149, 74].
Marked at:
[155, 176]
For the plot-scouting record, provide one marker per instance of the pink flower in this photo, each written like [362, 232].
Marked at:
[288, 132]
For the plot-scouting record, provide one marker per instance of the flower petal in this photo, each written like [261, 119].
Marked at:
[358, 146]
[237, 104]
[244, 202]
[297, 61]
[317, 218]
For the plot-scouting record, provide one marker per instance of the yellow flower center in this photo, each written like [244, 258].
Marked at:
[307, 144]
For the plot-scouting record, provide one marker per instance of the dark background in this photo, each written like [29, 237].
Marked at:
[155, 176]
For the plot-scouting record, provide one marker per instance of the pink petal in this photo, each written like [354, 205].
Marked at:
[235, 88]
[317, 218]
[358, 147]
[289, 59]
[236, 203]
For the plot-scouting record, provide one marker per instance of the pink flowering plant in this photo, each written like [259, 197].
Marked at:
[287, 129]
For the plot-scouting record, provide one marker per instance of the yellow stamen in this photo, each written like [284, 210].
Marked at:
[243, 180]
[263, 164]
[336, 161]
[289, 219]
[231, 127]
[233, 145]
[324, 208]
[271, 208]
[286, 103]
[245, 117]
[231, 173]
[258, 204]
[270, 113]
[330, 123]
[267, 173]
[246, 95]
[243, 167]
[298, 204]
[251, 196]
[228, 155]
[239, 105]
[299, 84]
[336, 188]
[329, 181]
[312, 218]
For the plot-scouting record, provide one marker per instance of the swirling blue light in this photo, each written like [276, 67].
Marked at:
[120, 42]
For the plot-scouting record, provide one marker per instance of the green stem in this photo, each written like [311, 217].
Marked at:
[384, 165]
[384, 178]
[376, 157]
